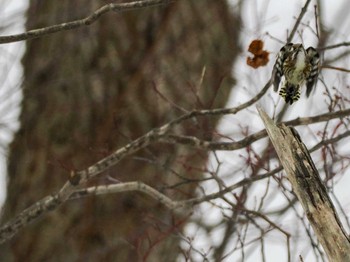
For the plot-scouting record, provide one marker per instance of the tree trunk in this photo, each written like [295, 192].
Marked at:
[92, 90]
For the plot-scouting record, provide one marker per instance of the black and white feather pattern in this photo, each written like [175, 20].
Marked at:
[288, 65]
[278, 70]
[314, 59]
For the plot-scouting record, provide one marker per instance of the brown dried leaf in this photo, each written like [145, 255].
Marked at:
[261, 57]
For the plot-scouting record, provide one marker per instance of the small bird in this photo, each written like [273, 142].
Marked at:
[298, 66]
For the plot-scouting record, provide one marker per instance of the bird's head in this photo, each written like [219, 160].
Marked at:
[298, 48]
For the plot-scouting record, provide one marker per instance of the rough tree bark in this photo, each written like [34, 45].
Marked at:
[310, 190]
[92, 90]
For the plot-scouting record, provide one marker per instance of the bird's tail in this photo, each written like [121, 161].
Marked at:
[290, 93]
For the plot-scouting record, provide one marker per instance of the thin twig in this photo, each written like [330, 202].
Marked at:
[248, 140]
[334, 46]
[35, 33]
[52, 202]
[296, 25]
[336, 68]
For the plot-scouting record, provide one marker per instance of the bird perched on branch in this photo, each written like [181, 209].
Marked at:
[298, 66]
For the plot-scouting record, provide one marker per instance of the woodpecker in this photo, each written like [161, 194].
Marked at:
[298, 66]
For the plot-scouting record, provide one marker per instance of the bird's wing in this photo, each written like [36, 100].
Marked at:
[277, 71]
[314, 59]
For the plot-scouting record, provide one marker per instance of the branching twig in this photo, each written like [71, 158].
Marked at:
[82, 22]
[248, 140]
[52, 202]
[152, 136]
[80, 177]
[296, 25]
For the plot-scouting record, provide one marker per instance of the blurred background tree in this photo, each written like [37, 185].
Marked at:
[89, 91]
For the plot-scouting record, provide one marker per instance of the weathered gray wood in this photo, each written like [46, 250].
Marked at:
[309, 189]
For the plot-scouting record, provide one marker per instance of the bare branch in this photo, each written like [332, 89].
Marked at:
[309, 189]
[126, 187]
[334, 46]
[248, 140]
[36, 33]
[296, 25]
[336, 68]
[43, 206]
[52, 202]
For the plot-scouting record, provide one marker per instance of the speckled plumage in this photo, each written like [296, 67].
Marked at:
[298, 66]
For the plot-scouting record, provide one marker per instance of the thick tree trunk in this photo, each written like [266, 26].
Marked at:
[92, 90]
